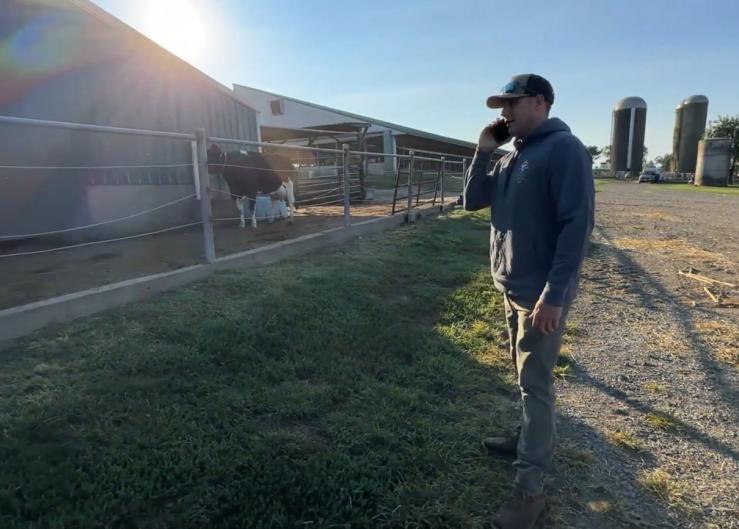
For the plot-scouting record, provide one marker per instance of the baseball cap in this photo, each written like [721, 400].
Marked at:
[523, 85]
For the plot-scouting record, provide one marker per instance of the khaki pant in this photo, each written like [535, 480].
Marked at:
[534, 356]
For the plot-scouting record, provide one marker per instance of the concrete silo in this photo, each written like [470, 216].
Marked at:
[714, 160]
[690, 123]
[627, 135]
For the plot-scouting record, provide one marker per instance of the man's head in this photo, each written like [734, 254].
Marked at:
[524, 102]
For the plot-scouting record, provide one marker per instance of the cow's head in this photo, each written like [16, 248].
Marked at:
[216, 159]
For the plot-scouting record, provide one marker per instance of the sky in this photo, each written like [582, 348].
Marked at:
[430, 65]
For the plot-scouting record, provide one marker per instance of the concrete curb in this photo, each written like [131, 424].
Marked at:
[20, 321]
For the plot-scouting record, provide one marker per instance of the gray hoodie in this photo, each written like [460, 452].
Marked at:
[541, 196]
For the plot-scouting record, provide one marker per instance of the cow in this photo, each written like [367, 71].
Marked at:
[250, 173]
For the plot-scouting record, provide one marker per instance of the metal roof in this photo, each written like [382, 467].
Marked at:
[272, 133]
[394, 126]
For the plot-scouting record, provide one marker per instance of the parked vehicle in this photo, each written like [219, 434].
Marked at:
[650, 175]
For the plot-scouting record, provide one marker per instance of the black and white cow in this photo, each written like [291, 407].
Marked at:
[250, 173]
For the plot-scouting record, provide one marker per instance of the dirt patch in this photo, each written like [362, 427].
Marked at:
[653, 391]
[36, 277]
[675, 248]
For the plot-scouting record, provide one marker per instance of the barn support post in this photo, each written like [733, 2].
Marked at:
[205, 211]
[410, 187]
[347, 182]
[441, 183]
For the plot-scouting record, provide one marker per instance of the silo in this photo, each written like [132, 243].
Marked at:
[690, 124]
[714, 159]
[627, 134]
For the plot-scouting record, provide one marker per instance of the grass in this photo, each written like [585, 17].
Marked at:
[347, 388]
[661, 484]
[663, 421]
[723, 337]
[655, 387]
[623, 439]
[574, 458]
[731, 190]
[564, 368]
[675, 249]
[601, 506]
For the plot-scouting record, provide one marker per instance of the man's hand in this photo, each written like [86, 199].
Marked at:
[546, 317]
[487, 141]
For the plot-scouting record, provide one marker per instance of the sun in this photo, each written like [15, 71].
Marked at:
[177, 26]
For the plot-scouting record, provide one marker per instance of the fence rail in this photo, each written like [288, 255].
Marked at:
[416, 179]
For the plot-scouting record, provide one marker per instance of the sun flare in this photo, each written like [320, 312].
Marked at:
[177, 26]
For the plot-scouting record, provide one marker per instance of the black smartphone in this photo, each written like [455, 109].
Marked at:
[500, 131]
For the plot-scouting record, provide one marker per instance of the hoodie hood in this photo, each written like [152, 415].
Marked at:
[548, 127]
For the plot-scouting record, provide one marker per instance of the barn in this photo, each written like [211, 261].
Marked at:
[286, 119]
[70, 61]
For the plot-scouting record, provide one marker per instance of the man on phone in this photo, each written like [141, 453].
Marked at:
[541, 196]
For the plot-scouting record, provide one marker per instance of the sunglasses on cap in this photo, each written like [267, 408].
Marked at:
[516, 88]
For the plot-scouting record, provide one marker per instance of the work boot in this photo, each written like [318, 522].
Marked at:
[506, 446]
[520, 511]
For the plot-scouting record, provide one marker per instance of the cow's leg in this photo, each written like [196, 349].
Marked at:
[291, 199]
[240, 205]
[253, 204]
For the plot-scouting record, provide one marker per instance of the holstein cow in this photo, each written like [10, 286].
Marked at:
[250, 173]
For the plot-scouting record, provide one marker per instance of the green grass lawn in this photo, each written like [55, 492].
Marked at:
[732, 190]
[349, 388]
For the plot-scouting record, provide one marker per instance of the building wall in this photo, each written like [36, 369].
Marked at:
[61, 62]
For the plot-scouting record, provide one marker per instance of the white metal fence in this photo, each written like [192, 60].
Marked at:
[331, 184]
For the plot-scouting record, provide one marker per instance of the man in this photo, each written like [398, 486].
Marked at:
[541, 196]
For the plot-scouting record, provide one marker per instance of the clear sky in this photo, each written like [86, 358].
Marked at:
[431, 64]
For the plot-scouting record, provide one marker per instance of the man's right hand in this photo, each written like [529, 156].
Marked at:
[487, 141]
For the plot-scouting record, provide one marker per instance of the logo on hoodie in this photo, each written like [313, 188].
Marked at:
[521, 173]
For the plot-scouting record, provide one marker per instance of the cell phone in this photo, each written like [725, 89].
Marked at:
[500, 131]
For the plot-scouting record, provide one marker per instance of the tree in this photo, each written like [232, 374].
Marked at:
[663, 161]
[594, 152]
[726, 127]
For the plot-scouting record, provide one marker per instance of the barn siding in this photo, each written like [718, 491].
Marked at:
[83, 69]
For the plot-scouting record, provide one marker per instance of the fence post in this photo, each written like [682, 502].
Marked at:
[195, 167]
[347, 187]
[205, 212]
[410, 187]
[464, 175]
[441, 183]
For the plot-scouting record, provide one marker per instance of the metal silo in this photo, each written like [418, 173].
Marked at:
[714, 159]
[627, 134]
[690, 123]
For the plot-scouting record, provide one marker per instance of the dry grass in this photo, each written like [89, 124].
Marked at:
[663, 421]
[601, 506]
[655, 387]
[565, 363]
[675, 248]
[665, 339]
[723, 337]
[661, 484]
[655, 215]
[574, 457]
[623, 439]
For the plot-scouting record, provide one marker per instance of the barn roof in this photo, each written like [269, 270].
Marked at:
[357, 117]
